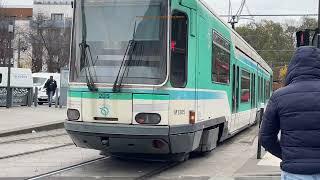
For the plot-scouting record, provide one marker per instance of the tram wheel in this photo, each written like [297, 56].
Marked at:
[181, 157]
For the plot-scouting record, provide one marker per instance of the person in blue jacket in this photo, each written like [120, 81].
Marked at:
[294, 111]
[51, 87]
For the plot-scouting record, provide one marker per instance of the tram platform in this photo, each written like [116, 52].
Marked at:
[266, 168]
[22, 120]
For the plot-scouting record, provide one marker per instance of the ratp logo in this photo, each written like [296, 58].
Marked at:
[104, 111]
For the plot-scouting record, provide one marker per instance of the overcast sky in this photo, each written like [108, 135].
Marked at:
[254, 6]
[268, 7]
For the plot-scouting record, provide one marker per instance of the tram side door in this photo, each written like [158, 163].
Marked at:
[235, 96]
[253, 97]
[183, 62]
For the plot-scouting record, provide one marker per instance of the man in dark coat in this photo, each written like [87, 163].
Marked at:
[51, 86]
[295, 112]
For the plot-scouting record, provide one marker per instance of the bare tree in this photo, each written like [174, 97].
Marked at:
[22, 46]
[6, 52]
[2, 35]
[50, 40]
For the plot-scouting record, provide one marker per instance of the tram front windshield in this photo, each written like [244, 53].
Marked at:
[108, 27]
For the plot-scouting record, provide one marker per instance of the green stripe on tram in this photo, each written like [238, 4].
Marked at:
[117, 96]
[88, 95]
[150, 97]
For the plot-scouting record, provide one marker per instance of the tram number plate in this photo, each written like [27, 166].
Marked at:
[104, 96]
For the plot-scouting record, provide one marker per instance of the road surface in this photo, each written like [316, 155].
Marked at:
[34, 154]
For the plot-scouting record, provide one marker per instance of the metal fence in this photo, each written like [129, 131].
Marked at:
[20, 96]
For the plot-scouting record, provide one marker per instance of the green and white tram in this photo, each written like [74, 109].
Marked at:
[163, 77]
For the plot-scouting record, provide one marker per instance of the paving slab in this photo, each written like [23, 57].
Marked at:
[221, 163]
[21, 120]
[34, 164]
[267, 168]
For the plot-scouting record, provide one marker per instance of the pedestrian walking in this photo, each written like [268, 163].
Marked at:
[294, 111]
[51, 86]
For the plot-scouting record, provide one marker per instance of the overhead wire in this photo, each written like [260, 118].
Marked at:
[271, 15]
[241, 8]
[233, 19]
[249, 12]
[230, 10]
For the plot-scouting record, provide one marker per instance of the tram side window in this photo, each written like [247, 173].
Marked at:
[258, 92]
[261, 90]
[267, 89]
[253, 90]
[179, 44]
[264, 95]
[245, 86]
[220, 59]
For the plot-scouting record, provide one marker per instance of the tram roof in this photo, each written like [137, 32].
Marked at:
[240, 43]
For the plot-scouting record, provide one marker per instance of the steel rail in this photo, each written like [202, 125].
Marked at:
[158, 171]
[32, 138]
[45, 175]
[36, 151]
[148, 175]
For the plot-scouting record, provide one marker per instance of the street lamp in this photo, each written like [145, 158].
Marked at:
[9, 90]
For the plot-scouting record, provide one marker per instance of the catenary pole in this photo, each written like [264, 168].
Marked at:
[318, 44]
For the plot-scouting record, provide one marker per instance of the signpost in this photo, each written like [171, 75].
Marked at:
[9, 90]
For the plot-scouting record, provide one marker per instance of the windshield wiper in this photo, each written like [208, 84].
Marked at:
[130, 49]
[84, 48]
[84, 58]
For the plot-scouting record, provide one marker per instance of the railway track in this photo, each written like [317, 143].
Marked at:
[32, 139]
[49, 174]
[146, 176]
[35, 151]
[158, 171]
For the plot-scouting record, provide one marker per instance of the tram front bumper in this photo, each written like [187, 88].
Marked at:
[118, 138]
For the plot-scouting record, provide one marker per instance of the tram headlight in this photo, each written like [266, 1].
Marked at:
[73, 114]
[148, 118]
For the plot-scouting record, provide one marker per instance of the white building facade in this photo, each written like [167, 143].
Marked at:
[20, 16]
[57, 14]
[53, 9]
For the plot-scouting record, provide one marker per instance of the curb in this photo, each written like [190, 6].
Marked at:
[260, 177]
[37, 128]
